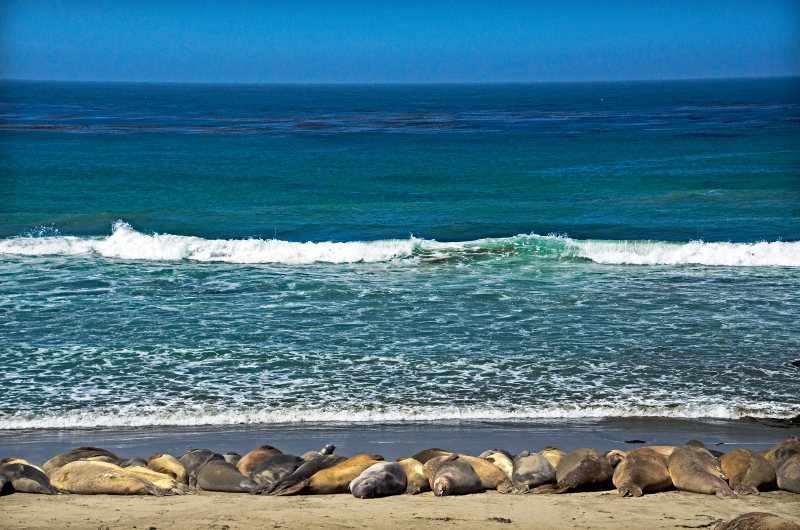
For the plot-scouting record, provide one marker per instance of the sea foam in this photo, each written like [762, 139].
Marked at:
[127, 243]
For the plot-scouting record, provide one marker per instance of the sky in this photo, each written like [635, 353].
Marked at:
[431, 41]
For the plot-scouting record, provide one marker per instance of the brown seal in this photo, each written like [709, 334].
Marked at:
[416, 479]
[250, 461]
[334, 479]
[643, 470]
[76, 454]
[747, 472]
[423, 456]
[694, 469]
[758, 521]
[581, 470]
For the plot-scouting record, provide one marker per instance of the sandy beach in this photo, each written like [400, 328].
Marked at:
[219, 511]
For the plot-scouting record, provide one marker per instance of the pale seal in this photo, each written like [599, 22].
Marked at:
[168, 465]
[76, 454]
[90, 478]
[379, 480]
[530, 471]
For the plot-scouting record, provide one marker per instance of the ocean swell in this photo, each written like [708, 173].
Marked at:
[127, 243]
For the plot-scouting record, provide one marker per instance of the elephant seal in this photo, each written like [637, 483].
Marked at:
[86, 477]
[580, 470]
[27, 479]
[694, 469]
[416, 479]
[615, 456]
[219, 475]
[251, 460]
[491, 476]
[663, 450]
[193, 459]
[453, 475]
[327, 450]
[758, 521]
[162, 481]
[275, 468]
[5, 485]
[302, 473]
[379, 480]
[335, 479]
[76, 454]
[423, 456]
[783, 449]
[553, 455]
[501, 451]
[531, 470]
[19, 461]
[502, 461]
[232, 457]
[643, 470]
[137, 461]
[169, 465]
[786, 458]
[747, 472]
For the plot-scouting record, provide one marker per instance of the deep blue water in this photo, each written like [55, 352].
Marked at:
[179, 254]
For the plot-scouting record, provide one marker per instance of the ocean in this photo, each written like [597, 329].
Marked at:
[188, 255]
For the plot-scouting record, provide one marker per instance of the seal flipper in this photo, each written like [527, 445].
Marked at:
[743, 489]
[297, 489]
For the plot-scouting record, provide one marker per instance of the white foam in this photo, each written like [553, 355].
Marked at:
[126, 243]
[140, 416]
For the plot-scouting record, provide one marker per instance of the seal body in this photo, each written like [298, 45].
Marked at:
[416, 479]
[232, 458]
[502, 461]
[76, 454]
[695, 469]
[553, 455]
[27, 479]
[490, 475]
[453, 475]
[643, 470]
[531, 470]
[275, 468]
[302, 473]
[169, 465]
[747, 472]
[335, 479]
[758, 521]
[89, 478]
[580, 470]
[250, 461]
[193, 459]
[423, 456]
[219, 475]
[786, 459]
[379, 480]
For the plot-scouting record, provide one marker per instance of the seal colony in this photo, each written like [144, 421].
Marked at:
[268, 471]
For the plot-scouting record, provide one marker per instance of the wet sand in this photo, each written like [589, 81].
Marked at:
[393, 440]
[486, 510]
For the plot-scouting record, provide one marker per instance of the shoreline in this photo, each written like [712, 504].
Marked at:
[393, 440]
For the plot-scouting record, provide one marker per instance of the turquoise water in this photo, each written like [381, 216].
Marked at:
[189, 254]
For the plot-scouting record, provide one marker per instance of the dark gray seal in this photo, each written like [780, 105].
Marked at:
[137, 461]
[5, 485]
[379, 480]
[193, 459]
[694, 469]
[302, 473]
[232, 457]
[219, 475]
[530, 471]
[642, 470]
[275, 468]
[27, 479]
[455, 476]
[581, 470]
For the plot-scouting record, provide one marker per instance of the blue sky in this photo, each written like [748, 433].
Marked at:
[397, 42]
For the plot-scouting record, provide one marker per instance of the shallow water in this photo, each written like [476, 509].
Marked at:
[181, 255]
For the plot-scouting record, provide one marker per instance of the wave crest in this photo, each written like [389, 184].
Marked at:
[127, 243]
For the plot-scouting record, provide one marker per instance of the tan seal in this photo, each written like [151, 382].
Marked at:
[169, 465]
[416, 479]
[90, 478]
[334, 479]
[77, 454]
[643, 470]
[250, 461]
[694, 469]
[553, 455]
[758, 521]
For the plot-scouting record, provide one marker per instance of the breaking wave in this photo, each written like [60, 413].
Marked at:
[127, 243]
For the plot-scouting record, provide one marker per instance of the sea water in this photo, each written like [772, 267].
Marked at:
[218, 254]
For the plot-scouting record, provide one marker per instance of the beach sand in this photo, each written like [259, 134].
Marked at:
[220, 511]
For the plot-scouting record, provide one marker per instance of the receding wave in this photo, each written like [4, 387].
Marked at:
[142, 416]
[127, 243]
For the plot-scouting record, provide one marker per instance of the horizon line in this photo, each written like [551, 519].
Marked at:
[399, 83]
